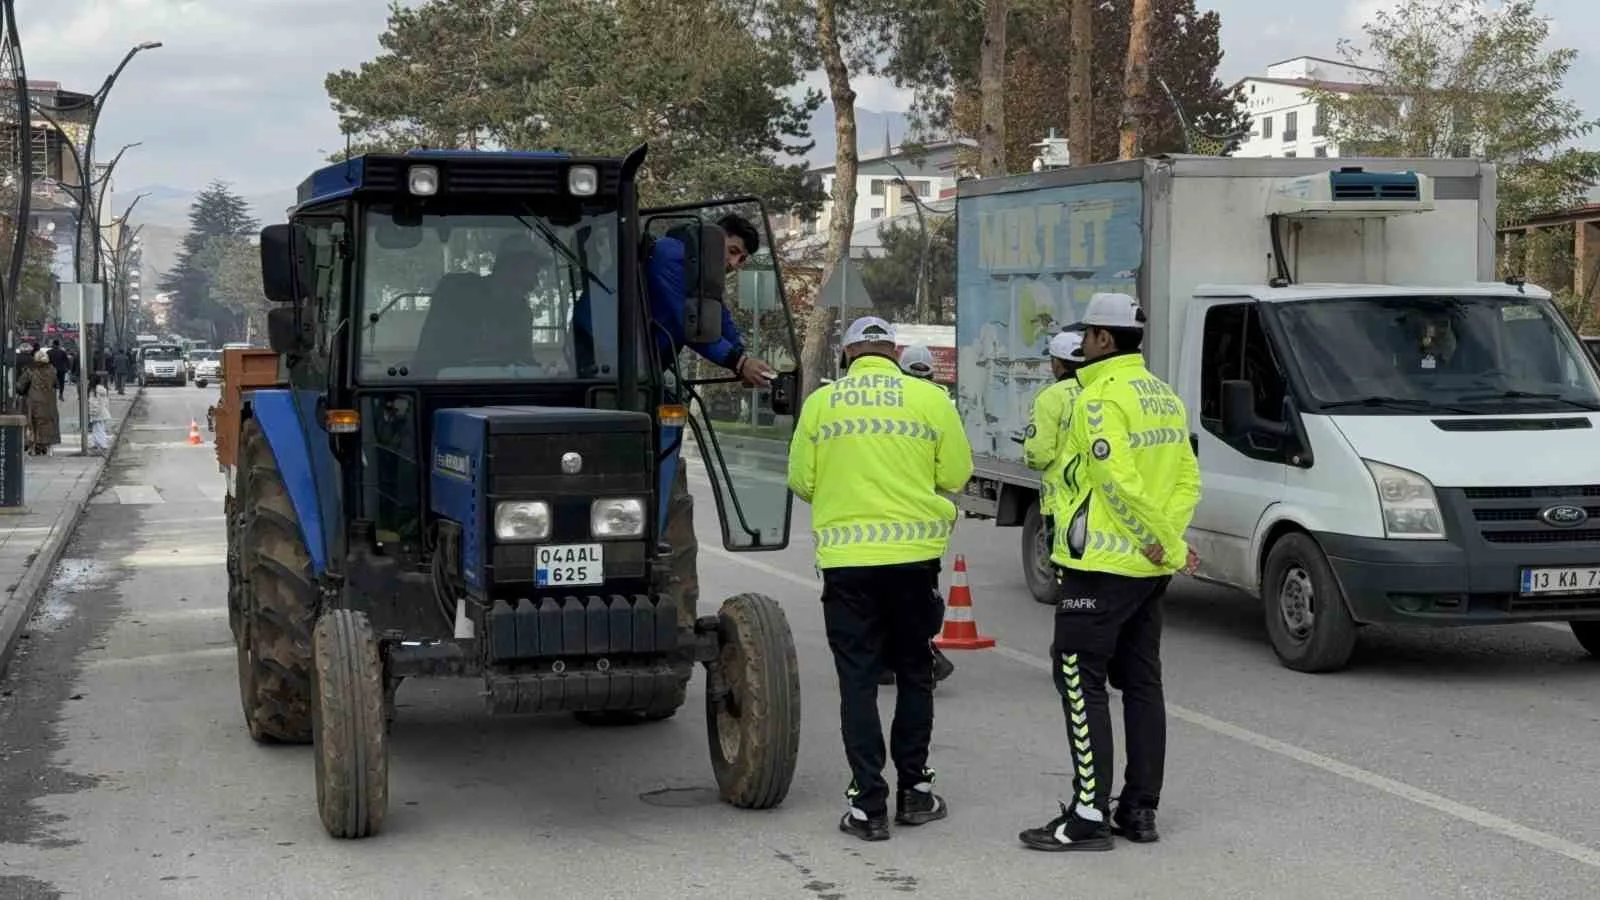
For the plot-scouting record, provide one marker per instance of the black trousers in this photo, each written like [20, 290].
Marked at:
[1109, 627]
[881, 617]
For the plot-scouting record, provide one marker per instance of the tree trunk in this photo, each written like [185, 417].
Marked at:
[1080, 85]
[992, 91]
[842, 222]
[1135, 78]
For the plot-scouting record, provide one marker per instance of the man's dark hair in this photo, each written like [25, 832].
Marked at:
[740, 227]
[1126, 340]
[56, 343]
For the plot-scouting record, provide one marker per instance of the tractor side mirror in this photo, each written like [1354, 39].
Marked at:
[285, 263]
[785, 387]
[705, 268]
[284, 334]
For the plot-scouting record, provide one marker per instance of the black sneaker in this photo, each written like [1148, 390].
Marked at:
[1136, 823]
[865, 827]
[919, 805]
[1066, 832]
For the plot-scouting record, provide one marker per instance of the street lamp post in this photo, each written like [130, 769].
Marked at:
[909, 193]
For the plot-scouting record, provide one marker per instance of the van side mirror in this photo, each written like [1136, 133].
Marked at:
[284, 333]
[705, 281]
[1239, 419]
[284, 264]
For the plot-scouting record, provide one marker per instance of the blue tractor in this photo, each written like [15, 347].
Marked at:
[469, 465]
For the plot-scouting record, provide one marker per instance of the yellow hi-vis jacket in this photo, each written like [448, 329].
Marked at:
[871, 454]
[1132, 478]
[1045, 442]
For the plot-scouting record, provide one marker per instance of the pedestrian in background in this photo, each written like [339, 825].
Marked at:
[1129, 491]
[99, 414]
[62, 361]
[38, 387]
[872, 453]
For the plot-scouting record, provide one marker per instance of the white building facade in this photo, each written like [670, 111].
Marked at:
[1284, 120]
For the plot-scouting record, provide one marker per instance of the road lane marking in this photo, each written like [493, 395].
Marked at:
[158, 659]
[1489, 821]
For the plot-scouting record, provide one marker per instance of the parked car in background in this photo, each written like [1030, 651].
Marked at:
[206, 366]
[162, 364]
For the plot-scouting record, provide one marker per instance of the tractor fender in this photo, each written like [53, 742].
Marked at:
[307, 464]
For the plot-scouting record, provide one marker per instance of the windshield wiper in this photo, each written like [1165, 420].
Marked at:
[1532, 395]
[1378, 400]
[555, 243]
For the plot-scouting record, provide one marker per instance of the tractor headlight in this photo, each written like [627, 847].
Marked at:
[617, 517]
[583, 181]
[424, 180]
[522, 520]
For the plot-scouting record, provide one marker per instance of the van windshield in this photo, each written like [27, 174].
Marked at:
[162, 353]
[1461, 354]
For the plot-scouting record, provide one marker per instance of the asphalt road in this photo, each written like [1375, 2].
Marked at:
[1443, 764]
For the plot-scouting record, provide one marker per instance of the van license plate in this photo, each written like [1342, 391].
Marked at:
[562, 564]
[1566, 580]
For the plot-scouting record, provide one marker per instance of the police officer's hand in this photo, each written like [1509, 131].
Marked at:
[1192, 564]
[754, 372]
[1155, 553]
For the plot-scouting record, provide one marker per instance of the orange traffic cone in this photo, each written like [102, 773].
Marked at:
[194, 433]
[960, 628]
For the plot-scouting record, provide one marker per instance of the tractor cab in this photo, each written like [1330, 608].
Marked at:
[483, 441]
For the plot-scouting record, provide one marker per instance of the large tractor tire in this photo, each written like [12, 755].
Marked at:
[684, 589]
[235, 570]
[351, 737]
[753, 725]
[278, 602]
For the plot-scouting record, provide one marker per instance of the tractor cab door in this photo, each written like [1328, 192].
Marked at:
[740, 434]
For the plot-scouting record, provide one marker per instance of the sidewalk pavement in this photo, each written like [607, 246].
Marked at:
[56, 491]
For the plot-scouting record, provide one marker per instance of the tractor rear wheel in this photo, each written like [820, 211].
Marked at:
[351, 737]
[753, 703]
[278, 602]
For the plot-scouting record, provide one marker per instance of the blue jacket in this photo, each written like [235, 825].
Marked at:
[664, 278]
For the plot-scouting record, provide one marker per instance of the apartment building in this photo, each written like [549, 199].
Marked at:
[1284, 119]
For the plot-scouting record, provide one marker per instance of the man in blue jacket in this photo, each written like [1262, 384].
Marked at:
[666, 278]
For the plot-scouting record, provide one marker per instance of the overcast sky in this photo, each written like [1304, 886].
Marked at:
[237, 94]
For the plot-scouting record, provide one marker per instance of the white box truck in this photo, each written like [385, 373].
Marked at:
[1385, 434]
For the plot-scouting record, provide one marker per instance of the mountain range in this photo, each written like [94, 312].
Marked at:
[164, 211]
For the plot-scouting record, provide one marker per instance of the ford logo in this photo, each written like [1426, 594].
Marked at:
[1563, 516]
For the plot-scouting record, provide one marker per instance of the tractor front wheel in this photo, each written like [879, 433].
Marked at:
[753, 703]
[351, 737]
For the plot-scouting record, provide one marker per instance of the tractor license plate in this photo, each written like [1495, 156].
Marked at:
[1565, 580]
[560, 564]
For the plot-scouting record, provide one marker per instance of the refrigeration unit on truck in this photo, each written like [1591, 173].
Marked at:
[1385, 433]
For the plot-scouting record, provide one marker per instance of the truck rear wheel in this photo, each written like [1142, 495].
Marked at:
[1036, 565]
[753, 703]
[1307, 620]
[1588, 634]
[277, 603]
[351, 737]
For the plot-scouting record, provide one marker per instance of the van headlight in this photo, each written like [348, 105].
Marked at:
[522, 520]
[617, 517]
[1409, 506]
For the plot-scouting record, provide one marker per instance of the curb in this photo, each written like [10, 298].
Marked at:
[31, 586]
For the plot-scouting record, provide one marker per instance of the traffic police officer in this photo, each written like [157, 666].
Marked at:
[872, 453]
[1128, 493]
[1045, 442]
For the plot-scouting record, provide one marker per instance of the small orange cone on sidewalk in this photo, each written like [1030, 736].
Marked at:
[960, 629]
[194, 433]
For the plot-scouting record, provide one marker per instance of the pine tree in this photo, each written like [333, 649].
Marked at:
[217, 212]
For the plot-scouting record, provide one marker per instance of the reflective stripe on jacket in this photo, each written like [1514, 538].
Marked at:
[872, 453]
[1131, 478]
[1045, 442]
